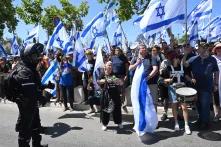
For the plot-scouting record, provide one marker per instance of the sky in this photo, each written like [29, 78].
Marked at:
[131, 31]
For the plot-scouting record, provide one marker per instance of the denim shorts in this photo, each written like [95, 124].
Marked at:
[172, 94]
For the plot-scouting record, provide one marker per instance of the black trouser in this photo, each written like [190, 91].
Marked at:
[85, 83]
[68, 93]
[93, 101]
[117, 116]
[28, 125]
[163, 92]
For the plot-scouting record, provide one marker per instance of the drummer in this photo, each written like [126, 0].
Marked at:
[205, 72]
[171, 65]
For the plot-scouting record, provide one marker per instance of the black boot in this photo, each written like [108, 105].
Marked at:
[36, 140]
[23, 143]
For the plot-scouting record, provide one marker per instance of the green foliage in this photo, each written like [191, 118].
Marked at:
[127, 8]
[47, 19]
[69, 14]
[30, 11]
[7, 16]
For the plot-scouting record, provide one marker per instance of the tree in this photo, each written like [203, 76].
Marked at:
[127, 8]
[7, 15]
[73, 14]
[69, 14]
[30, 11]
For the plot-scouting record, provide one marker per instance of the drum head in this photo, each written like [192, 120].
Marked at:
[186, 91]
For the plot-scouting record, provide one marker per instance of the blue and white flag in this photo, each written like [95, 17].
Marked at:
[106, 48]
[215, 33]
[99, 64]
[34, 33]
[80, 59]
[194, 37]
[49, 75]
[96, 28]
[137, 21]
[15, 49]
[60, 39]
[2, 52]
[145, 116]
[201, 11]
[212, 23]
[117, 38]
[111, 14]
[162, 14]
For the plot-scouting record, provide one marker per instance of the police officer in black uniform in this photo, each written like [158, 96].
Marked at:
[30, 93]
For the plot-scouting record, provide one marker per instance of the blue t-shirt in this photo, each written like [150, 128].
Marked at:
[66, 75]
[203, 70]
[118, 65]
[148, 67]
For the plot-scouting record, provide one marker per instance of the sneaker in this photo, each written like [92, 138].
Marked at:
[125, 109]
[91, 111]
[71, 109]
[187, 130]
[104, 128]
[176, 127]
[120, 126]
[65, 109]
[216, 118]
[164, 117]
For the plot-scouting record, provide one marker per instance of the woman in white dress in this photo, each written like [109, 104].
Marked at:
[217, 87]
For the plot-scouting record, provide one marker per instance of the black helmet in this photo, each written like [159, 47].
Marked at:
[33, 49]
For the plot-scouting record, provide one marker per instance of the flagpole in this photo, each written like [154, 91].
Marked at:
[124, 34]
[186, 37]
[107, 38]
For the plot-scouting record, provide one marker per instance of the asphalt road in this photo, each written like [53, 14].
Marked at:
[78, 129]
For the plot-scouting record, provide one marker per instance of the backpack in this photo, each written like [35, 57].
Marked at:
[11, 86]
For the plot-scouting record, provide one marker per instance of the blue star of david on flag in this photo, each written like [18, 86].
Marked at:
[60, 42]
[94, 31]
[160, 11]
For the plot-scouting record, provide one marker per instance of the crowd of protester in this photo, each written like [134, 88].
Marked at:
[200, 66]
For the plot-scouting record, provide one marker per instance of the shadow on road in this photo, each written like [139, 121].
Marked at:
[73, 115]
[127, 130]
[149, 138]
[59, 129]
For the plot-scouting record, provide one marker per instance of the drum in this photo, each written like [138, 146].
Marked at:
[186, 95]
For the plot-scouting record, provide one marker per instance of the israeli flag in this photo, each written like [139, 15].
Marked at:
[60, 39]
[137, 20]
[106, 48]
[111, 14]
[15, 49]
[162, 14]
[80, 59]
[201, 11]
[2, 52]
[96, 27]
[215, 33]
[212, 23]
[50, 76]
[34, 33]
[194, 34]
[145, 116]
[99, 64]
[117, 38]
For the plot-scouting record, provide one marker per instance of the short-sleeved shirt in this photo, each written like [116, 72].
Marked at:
[148, 63]
[66, 75]
[203, 70]
[118, 65]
